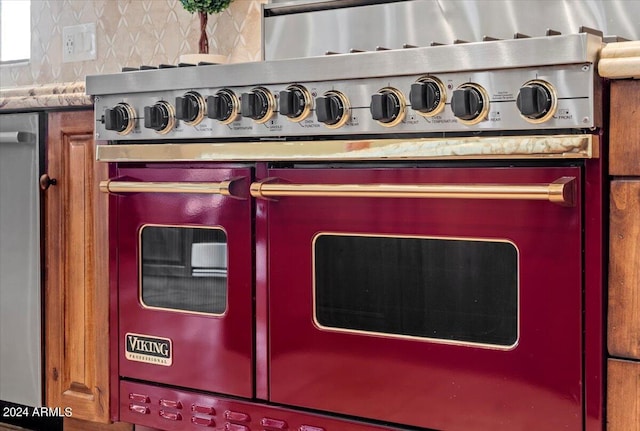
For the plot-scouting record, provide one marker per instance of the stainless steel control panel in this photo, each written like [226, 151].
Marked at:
[569, 91]
[508, 85]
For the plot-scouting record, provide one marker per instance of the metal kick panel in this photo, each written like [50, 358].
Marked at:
[573, 86]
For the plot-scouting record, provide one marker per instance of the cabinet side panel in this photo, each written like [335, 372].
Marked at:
[625, 128]
[76, 309]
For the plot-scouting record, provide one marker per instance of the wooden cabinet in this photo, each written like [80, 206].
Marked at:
[624, 154]
[76, 273]
[624, 269]
[623, 395]
[623, 337]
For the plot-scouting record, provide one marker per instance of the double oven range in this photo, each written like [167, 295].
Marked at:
[399, 239]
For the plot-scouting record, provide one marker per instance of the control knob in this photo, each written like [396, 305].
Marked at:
[536, 101]
[333, 109]
[388, 107]
[223, 106]
[428, 96]
[190, 108]
[470, 104]
[120, 118]
[295, 103]
[258, 104]
[160, 117]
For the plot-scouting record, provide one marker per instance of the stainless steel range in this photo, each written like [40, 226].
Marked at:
[541, 83]
[394, 239]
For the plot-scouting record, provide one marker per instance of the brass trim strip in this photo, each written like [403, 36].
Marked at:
[454, 148]
[562, 191]
[224, 188]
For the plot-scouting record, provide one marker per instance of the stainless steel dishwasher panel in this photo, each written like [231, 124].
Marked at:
[20, 264]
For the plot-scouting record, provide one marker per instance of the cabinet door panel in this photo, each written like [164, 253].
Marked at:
[624, 270]
[76, 304]
[623, 395]
[624, 146]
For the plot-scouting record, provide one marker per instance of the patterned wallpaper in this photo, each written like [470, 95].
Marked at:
[131, 33]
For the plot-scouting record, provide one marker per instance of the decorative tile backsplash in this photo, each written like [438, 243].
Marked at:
[131, 33]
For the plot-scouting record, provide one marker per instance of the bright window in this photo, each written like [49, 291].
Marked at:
[15, 30]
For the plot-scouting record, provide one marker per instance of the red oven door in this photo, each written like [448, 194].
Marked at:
[459, 309]
[185, 277]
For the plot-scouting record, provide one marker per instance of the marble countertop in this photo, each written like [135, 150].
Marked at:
[44, 96]
[620, 60]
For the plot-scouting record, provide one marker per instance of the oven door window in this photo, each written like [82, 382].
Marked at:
[450, 290]
[183, 269]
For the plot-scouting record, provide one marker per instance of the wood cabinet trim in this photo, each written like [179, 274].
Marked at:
[76, 284]
[623, 395]
[624, 142]
[624, 270]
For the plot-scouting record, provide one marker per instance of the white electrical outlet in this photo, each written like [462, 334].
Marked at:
[69, 42]
[79, 43]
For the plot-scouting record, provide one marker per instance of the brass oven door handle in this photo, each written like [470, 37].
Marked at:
[231, 187]
[562, 191]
